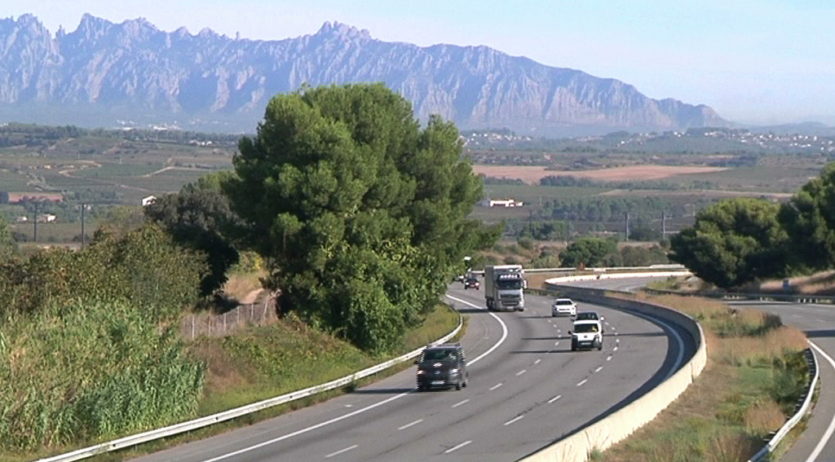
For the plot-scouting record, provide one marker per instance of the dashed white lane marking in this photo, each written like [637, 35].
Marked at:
[455, 448]
[340, 451]
[461, 402]
[537, 362]
[554, 399]
[599, 368]
[556, 343]
[582, 382]
[410, 424]
[615, 349]
[495, 386]
[521, 372]
[609, 358]
[513, 420]
[349, 405]
[617, 340]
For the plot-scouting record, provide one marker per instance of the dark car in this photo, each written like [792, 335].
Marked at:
[442, 366]
[471, 283]
[589, 316]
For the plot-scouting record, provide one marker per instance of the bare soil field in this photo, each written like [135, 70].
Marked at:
[532, 174]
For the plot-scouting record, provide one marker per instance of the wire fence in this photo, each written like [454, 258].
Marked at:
[260, 313]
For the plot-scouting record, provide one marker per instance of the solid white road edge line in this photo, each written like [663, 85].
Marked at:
[504, 328]
[829, 430]
[367, 408]
[340, 451]
[679, 341]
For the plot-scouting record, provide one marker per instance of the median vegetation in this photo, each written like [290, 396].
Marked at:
[755, 374]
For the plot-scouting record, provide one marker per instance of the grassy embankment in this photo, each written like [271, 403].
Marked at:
[262, 362]
[755, 373]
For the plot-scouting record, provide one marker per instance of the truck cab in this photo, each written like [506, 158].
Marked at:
[504, 287]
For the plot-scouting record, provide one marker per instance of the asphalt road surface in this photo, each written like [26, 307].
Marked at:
[526, 390]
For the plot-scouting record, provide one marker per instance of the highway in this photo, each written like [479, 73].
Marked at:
[526, 390]
[816, 444]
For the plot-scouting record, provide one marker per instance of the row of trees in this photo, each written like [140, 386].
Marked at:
[741, 240]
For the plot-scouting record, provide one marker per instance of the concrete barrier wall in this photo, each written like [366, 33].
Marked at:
[623, 422]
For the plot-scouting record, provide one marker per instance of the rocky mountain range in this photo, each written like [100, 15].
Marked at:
[134, 73]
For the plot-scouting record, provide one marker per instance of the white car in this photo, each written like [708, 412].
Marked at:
[586, 334]
[564, 307]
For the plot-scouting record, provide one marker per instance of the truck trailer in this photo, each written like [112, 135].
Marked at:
[504, 287]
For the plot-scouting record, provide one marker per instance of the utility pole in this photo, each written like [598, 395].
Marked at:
[35, 224]
[626, 214]
[82, 224]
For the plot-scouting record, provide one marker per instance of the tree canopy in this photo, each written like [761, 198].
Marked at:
[199, 217]
[591, 251]
[360, 212]
[809, 220]
[733, 242]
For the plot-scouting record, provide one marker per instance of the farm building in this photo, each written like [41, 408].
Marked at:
[504, 203]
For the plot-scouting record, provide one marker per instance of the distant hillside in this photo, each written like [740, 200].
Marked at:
[132, 72]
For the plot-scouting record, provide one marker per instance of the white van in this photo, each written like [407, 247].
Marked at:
[586, 334]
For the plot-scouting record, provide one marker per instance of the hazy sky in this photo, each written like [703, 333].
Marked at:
[754, 61]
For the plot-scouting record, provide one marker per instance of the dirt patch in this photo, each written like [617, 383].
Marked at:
[532, 175]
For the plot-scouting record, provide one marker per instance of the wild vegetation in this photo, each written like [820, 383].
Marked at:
[344, 214]
[756, 372]
[87, 351]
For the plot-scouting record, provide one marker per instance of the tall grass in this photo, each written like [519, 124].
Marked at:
[90, 371]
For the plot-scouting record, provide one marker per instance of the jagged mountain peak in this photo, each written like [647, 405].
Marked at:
[340, 30]
[135, 71]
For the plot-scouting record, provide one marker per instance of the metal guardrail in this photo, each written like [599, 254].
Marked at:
[795, 298]
[201, 422]
[801, 411]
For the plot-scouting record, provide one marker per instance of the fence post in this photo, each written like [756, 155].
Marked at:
[224, 324]
[192, 327]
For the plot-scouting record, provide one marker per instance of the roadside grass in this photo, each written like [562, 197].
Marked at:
[755, 373]
[267, 361]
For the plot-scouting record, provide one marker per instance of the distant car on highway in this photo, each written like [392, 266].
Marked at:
[589, 316]
[442, 366]
[471, 283]
[564, 307]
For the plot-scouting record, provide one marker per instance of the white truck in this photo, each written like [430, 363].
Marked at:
[504, 287]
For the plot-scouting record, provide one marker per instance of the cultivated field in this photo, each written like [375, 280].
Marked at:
[532, 174]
